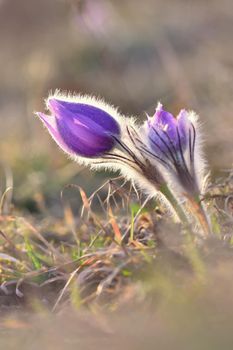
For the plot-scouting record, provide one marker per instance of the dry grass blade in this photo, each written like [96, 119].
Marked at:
[72, 275]
[4, 199]
[50, 247]
[116, 230]
[107, 281]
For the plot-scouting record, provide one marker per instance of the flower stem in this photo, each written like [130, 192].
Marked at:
[175, 204]
[199, 212]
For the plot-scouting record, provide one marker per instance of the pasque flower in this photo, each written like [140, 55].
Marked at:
[162, 152]
[172, 142]
[95, 134]
[80, 129]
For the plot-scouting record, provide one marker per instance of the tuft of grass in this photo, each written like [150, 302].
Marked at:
[129, 248]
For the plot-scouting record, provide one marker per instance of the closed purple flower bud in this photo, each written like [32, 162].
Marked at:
[80, 128]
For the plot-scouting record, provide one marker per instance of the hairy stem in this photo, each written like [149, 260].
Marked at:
[175, 204]
[200, 214]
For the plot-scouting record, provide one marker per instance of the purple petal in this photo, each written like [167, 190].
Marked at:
[81, 129]
[163, 131]
[50, 122]
[183, 123]
[87, 141]
[86, 113]
[163, 118]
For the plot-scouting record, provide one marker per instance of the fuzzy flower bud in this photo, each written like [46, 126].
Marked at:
[80, 129]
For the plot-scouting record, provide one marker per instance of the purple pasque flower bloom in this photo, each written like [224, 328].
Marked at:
[80, 128]
[172, 142]
[164, 129]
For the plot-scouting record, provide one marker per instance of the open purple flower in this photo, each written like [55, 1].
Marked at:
[80, 128]
[171, 141]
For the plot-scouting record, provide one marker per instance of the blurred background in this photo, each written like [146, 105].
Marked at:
[131, 52]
